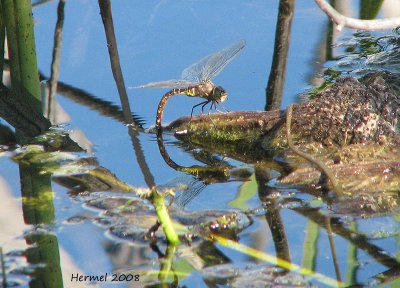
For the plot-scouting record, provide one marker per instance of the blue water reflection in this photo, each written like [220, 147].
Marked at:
[157, 39]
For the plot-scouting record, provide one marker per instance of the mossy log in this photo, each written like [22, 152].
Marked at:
[349, 112]
[352, 126]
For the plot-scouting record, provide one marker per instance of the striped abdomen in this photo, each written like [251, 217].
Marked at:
[190, 91]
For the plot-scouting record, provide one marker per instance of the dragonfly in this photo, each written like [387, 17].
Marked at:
[196, 80]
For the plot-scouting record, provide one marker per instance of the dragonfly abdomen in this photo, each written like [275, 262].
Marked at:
[160, 109]
[193, 91]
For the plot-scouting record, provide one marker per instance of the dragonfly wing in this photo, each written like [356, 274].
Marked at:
[186, 188]
[211, 65]
[167, 84]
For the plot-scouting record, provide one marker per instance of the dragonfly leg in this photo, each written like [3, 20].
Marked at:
[171, 199]
[197, 105]
[213, 103]
[204, 105]
[211, 107]
[223, 108]
[212, 121]
[191, 113]
[153, 229]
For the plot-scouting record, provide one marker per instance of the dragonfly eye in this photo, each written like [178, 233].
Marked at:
[220, 94]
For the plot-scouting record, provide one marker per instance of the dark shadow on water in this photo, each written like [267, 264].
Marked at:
[15, 110]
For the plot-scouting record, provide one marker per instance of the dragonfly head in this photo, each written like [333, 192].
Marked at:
[219, 94]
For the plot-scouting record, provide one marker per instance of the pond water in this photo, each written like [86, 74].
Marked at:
[91, 233]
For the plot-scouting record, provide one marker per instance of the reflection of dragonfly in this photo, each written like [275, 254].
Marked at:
[185, 188]
[197, 81]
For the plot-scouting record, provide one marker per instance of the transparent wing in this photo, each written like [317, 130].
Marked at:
[187, 196]
[211, 65]
[186, 188]
[167, 84]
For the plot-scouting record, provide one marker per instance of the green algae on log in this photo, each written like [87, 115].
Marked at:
[350, 111]
[351, 126]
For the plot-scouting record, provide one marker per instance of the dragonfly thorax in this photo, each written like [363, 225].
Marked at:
[211, 92]
[205, 89]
